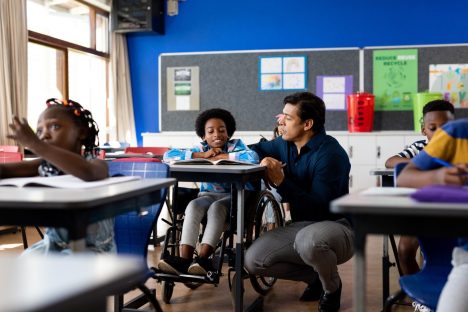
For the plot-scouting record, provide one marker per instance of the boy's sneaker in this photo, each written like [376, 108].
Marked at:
[201, 266]
[420, 307]
[174, 265]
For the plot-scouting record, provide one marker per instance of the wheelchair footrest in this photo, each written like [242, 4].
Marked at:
[187, 278]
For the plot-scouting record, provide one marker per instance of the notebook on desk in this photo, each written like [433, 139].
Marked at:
[442, 194]
[388, 191]
[63, 181]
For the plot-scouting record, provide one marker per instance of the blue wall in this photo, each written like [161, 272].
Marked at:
[218, 25]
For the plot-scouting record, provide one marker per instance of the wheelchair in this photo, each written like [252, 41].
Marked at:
[262, 213]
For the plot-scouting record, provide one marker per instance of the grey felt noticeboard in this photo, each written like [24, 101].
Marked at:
[230, 81]
[403, 120]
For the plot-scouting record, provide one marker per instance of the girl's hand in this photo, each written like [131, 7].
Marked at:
[22, 132]
[456, 175]
[210, 153]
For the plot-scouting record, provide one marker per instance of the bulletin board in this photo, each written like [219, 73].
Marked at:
[427, 55]
[230, 80]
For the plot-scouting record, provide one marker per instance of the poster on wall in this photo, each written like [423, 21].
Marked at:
[282, 73]
[452, 81]
[395, 78]
[183, 88]
[333, 90]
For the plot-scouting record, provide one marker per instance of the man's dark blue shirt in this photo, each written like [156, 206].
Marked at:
[313, 178]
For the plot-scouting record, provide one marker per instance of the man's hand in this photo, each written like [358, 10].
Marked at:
[22, 132]
[274, 175]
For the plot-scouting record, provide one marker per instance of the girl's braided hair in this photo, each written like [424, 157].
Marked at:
[84, 119]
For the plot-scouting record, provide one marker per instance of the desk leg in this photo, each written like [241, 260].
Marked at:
[360, 272]
[78, 245]
[239, 291]
[385, 271]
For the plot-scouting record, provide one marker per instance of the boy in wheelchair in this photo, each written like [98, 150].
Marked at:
[215, 127]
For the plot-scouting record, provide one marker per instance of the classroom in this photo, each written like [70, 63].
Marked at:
[137, 82]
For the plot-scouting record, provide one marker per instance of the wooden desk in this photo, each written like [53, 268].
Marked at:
[399, 215]
[75, 209]
[238, 176]
[65, 283]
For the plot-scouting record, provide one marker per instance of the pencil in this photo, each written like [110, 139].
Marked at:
[442, 162]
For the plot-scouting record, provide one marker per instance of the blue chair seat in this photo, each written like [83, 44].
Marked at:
[426, 286]
[133, 229]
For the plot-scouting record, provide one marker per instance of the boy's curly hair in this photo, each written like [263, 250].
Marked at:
[219, 113]
[83, 119]
[437, 106]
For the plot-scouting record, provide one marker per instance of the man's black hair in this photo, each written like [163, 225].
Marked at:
[219, 113]
[309, 106]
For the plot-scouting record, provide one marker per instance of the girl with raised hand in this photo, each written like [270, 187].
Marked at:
[66, 142]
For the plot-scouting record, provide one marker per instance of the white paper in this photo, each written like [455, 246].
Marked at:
[65, 181]
[182, 102]
[270, 65]
[389, 191]
[334, 101]
[294, 64]
[452, 81]
[271, 82]
[334, 85]
[294, 81]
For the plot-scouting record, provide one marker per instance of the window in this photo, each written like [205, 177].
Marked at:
[68, 56]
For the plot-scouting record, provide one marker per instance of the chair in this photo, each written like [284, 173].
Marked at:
[136, 159]
[133, 230]
[154, 239]
[6, 157]
[426, 286]
[147, 149]
[10, 153]
[9, 148]
[263, 213]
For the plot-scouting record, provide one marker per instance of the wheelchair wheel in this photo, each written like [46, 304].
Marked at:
[266, 215]
[167, 290]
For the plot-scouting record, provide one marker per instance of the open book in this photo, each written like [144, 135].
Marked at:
[204, 161]
[63, 181]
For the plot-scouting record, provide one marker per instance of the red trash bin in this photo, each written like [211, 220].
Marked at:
[360, 112]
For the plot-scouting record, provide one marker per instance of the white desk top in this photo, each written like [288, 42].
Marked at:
[61, 198]
[46, 283]
[74, 209]
[394, 205]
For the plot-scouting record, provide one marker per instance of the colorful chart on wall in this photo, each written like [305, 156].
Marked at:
[452, 81]
[333, 90]
[282, 73]
[395, 78]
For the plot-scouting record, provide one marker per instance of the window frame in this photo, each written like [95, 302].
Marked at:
[66, 46]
